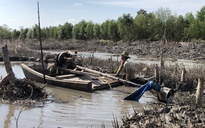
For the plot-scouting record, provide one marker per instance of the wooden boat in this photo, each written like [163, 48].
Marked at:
[72, 79]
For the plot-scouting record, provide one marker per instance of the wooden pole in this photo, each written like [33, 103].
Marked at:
[77, 72]
[39, 30]
[107, 75]
[161, 72]
[183, 73]
[199, 91]
[156, 72]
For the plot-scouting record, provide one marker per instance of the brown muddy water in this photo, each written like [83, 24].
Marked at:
[78, 109]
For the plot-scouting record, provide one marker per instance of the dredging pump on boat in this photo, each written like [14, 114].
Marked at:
[65, 59]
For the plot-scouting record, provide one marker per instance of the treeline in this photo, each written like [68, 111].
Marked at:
[152, 26]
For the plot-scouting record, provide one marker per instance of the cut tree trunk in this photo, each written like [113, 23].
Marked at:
[7, 64]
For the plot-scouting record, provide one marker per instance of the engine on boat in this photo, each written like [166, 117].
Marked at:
[67, 60]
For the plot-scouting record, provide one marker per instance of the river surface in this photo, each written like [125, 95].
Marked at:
[78, 109]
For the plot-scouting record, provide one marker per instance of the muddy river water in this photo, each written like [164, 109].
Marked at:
[78, 109]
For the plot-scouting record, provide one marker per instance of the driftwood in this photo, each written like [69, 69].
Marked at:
[13, 89]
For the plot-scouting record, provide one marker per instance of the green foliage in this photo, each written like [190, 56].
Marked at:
[104, 30]
[83, 34]
[15, 34]
[125, 26]
[201, 23]
[201, 14]
[163, 14]
[152, 26]
[179, 26]
[113, 30]
[35, 32]
[89, 30]
[23, 33]
[67, 30]
[5, 32]
[142, 25]
[162, 17]
[96, 31]
[29, 34]
[63, 32]
[78, 31]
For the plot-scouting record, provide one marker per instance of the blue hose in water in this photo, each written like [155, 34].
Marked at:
[137, 94]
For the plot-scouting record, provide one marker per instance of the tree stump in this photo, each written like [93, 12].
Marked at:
[7, 64]
[14, 89]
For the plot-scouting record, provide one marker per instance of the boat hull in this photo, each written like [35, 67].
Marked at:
[74, 83]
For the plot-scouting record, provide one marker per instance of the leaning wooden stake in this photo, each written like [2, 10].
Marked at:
[156, 72]
[161, 72]
[199, 92]
[183, 73]
[7, 64]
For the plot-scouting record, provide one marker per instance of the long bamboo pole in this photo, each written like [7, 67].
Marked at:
[109, 76]
[39, 30]
[77, 72]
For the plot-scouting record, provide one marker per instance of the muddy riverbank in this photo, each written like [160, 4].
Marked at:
[145, 49]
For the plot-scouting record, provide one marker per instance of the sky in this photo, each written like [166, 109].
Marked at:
[18, 14]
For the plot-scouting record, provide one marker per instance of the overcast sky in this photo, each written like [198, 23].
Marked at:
[23, 13]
